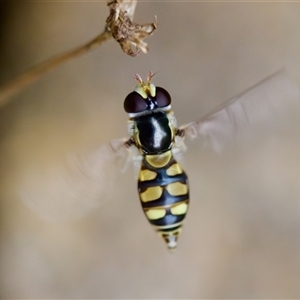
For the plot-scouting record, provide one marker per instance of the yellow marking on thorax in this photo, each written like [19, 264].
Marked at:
[179, 209]
[154, 213]
[159, 160]
[137, 140]
[151, 194]
[177, 188]
[175, 169]
[147, 175]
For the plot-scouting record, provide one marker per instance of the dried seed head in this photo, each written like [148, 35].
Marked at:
[128, 34]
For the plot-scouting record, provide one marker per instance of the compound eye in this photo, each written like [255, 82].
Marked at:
[134, 103]
[163, 98]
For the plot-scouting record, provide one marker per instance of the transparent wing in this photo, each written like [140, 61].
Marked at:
[75, 184]
[263, 104]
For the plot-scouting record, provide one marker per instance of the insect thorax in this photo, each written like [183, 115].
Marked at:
[153, 133]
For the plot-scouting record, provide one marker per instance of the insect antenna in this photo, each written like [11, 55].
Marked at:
[138, 78]
[149, 77]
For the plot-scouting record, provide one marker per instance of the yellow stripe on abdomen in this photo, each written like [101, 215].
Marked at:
[177, 188]
[155, 213]
[146, 175]
[179, 209]
[175, 169]
[151, 193]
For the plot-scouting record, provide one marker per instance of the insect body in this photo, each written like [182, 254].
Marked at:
[162, 184]
[154, 142]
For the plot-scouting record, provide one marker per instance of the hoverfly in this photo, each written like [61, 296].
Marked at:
[162, 183]
[154, 143]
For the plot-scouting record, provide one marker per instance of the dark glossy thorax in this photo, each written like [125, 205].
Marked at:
[154, 132]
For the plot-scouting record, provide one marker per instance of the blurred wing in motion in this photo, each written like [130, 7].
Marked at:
[74, 185]
[263, 104]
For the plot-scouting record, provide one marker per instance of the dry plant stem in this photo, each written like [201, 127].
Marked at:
[30, 76]
[119, 25]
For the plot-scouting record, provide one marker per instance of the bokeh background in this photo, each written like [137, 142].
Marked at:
[241, 238]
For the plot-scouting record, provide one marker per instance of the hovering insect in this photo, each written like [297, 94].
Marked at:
[162, 183]
[153, 144]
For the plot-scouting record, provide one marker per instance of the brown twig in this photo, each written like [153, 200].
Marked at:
[119, 25]
[33, 74]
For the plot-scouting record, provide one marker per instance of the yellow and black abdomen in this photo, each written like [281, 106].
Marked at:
[164, 194]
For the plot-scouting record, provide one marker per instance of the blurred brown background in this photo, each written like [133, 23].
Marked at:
[241, 238]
